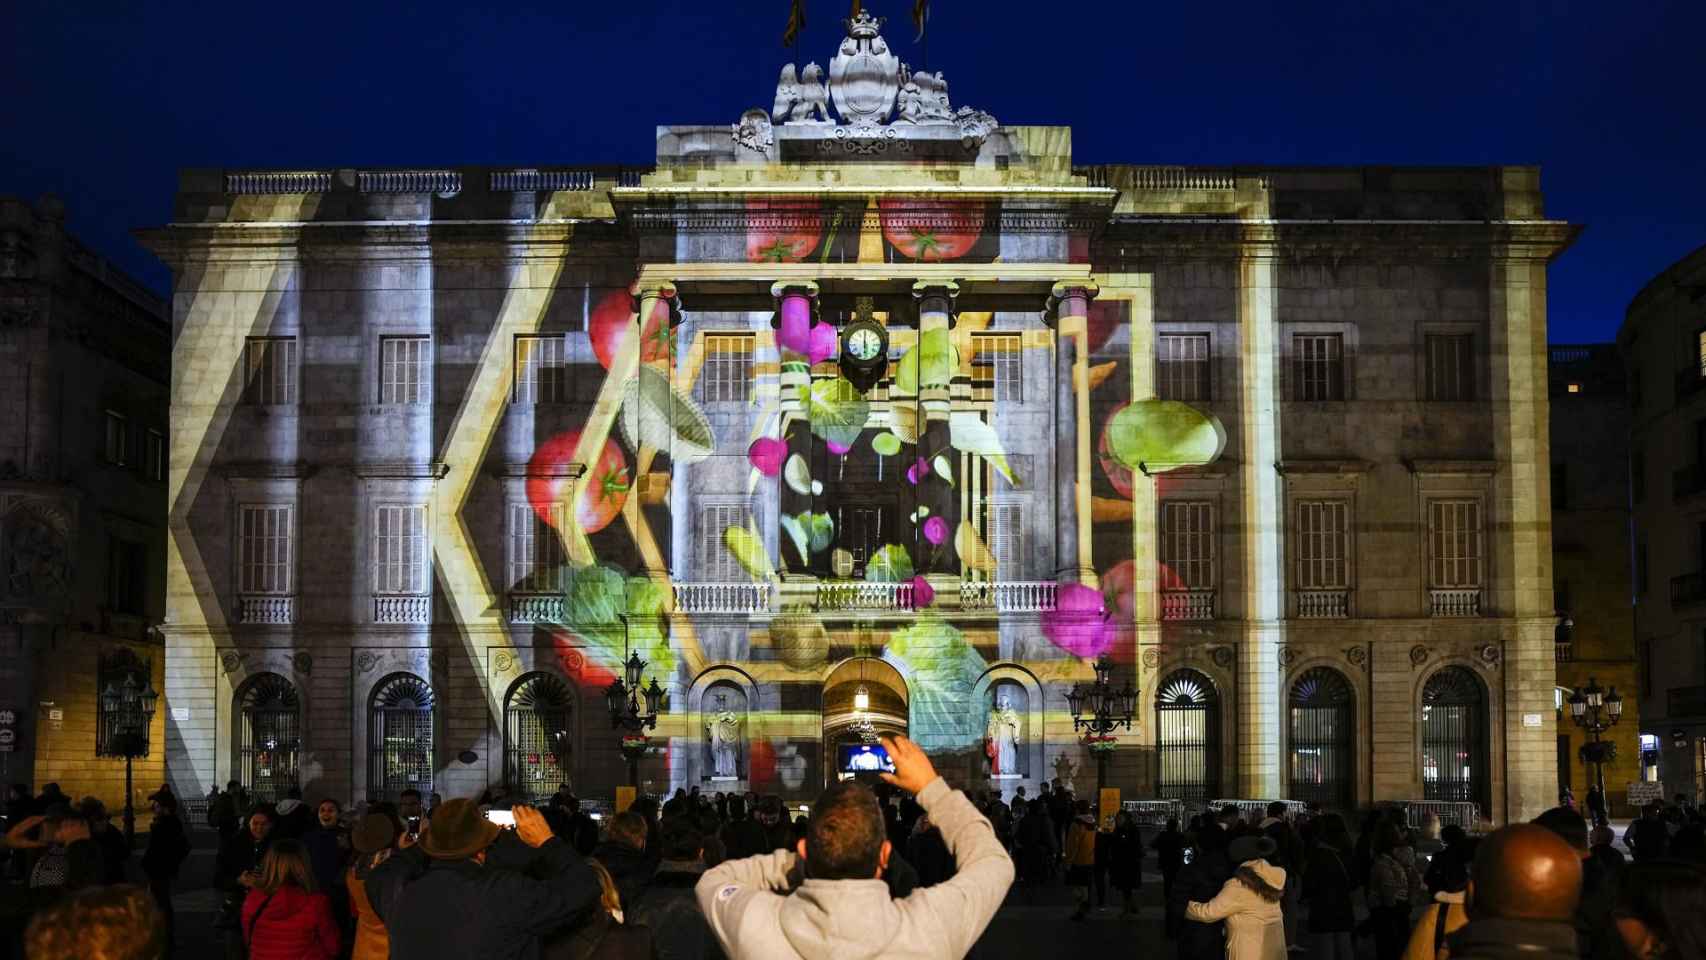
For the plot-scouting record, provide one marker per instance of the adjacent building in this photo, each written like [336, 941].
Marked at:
[85, 358]
[865, 413]
[1663, 341]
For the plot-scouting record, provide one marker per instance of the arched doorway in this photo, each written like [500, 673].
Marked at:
[270, 737]
[399, 737]
[1187, 737]
[862, 698]
[1322, 718]
[538, 738]
[1454, 738]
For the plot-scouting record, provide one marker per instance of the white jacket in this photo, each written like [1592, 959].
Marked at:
[749, 907]
[1255, 929]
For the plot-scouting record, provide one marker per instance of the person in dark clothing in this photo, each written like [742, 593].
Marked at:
[1660, 910]
[115, 849]
[1061, 807]
[223, 813]
[294, 817]
[236, 870]
[1602, 846]
[773, 820]
[1125, 861]
[926, 851]
[1449, 868]
[1647, 838]
[1525, 884]
[1596, 805]
[1034, 838]
[464, 906]
[167, 850]
[1689, 843]
[328, 846]
[624, 855]
[742, 836]
[1327, 891]
[667, 906]
[1594, 931]
[51, 796]
[1201, 880]
[1170, 856]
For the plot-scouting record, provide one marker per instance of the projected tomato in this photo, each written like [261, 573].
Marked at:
[931, 229]
[612, 320]
[603, 490]
[781, 231]
[1116, 472]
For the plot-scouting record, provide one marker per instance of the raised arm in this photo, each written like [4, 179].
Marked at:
[1222, 906]
[725, 891]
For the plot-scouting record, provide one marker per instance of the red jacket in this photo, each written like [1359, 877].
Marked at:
[296, 925]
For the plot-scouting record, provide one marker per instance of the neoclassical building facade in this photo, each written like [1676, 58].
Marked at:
[864, 413]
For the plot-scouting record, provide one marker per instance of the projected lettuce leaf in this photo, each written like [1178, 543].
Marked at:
[890, 563]
[969, 434]
[930, 362]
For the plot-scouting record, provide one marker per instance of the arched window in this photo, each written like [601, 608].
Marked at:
[537, 736]
[270, 722]
[399, 737]
[1321, 724]
[1454, 738]
[1187, 737]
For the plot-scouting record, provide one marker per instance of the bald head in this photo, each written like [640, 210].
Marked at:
[1525, 872]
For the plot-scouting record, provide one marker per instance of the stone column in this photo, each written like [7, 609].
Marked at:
[796, 308]
[1261, 513]
[935, 318]
[1069, 306]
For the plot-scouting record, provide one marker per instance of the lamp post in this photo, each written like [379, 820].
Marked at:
[623, 698]
[1596, 710]
[1098, 709]
[127, 709]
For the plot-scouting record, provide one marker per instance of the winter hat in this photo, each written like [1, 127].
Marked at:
[1252, 847]
[458, 831]
[373, 834]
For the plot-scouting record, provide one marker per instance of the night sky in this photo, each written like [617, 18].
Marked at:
[101, 102]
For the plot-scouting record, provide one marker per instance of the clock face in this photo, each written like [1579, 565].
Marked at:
[864, 344]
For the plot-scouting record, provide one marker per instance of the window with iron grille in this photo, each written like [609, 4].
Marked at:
[1187, 545]
[536, 555]
[271, 737]
[116, 447]
[399, 549]
[715, 563]
[1451, 366]
[540, 372]
[1007, 541]
[1323, 555]
[1000, 362]
[267, 532]
[1182, 367]
[400, 737]
[1454, 538]
[405, 370]
[538, 736]
[154, 455]
[728, 371]
[1318, 366]
[271, 365]
[126, 568]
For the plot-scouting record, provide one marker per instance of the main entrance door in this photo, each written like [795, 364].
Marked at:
[862, 698]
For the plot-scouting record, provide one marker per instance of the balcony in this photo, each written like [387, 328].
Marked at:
[1455, 602]
[536, 608]
[1687, 589]
[1323, 604]
[1008, 596]
[1187, 604]
[731, 597]
[863, 595]
[1688, 481]
[273, 610]
[402, 609]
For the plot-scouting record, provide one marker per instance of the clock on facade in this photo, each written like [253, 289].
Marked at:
[864, 352]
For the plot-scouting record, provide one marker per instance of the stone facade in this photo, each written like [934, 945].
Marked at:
[85, 356]
[1369, 344]
[1661, 345]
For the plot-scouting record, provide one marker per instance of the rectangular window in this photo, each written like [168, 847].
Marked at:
[154, 456]
[716, 563]
[536, 555]
[1454, 537]
[1451, 366]
[265, 555]
[540, 373]
[1318, 366]
[1637, 475]
[126, 567]
[116, 446]
[1187, 545]
[399, 550]
[1560, 486]
[728, 371]
[998, 362]
[271, 366]
[405, 370]
[1323, 545]
[1007, 541]
[1182, 367]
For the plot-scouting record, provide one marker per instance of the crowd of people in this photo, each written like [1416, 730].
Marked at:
[911, 868]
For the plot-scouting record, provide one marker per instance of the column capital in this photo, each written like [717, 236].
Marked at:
[924, 289]
[657, 290]
[803, 288]
[1068, 290]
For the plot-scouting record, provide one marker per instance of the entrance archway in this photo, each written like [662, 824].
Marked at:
[845, 723]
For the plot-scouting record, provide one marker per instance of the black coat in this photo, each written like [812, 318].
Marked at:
[1327, 890]
[167, 848]
[743, 838]
[668, 908]
[1497, 939]
[630, 869]
[1170, 851]
[1125, 858]
[1199, 880]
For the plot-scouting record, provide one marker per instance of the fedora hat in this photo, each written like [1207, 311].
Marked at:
[458, 831]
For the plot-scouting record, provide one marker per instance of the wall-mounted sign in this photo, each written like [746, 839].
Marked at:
[1531, 719]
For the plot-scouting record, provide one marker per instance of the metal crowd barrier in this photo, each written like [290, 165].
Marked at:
[1152, 813]
[1460, 812]
[192, 813]
[1253, 811]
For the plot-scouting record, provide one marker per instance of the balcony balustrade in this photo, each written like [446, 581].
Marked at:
[1464, 602]
[732, 597]
[863, 595]
[536, 608]
[266, 609]
[1323, 604]
[1187, 604]
[401, 609]
[1008, 596]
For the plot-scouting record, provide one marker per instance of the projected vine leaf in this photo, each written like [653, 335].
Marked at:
[969, 434]
[1161, 435]
[944, 666]
[931, 362]
[890, 563]
[654, 414]
[943, 469]
[748, 550]
[971, 548]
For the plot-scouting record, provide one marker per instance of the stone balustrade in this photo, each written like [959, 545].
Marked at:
[1187, 604]
[266, 609]
[1008, 596]
[401, 609]
[1323, 604]
[863, 595]
[536, 608]
[409, 181]
[1455, 603]
[746, 597]
[279, 182]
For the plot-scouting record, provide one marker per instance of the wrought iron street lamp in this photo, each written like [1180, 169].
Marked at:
[127, 709]
[1098, 709]
[623, 697]
[1596, 710]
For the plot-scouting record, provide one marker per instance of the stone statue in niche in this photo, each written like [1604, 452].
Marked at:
[802, 100]
[722, 731]
[1003, 736]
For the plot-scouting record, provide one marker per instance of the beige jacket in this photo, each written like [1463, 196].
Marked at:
[1422, 937]
[1250, 905]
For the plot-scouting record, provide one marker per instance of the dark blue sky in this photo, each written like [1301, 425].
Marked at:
[101, 101]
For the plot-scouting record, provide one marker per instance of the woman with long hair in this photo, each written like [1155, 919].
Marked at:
[1661, 910]
[606, 933]
[284, 917]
